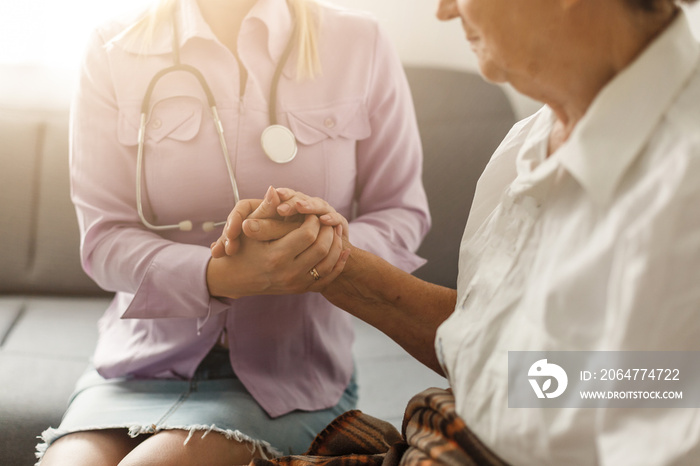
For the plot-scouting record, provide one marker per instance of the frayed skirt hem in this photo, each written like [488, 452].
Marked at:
[266, 450]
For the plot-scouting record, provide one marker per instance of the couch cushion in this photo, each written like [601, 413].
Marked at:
[54, 327]
[34, 395]
[46, 346]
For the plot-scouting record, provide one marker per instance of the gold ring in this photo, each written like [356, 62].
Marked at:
[314, 273]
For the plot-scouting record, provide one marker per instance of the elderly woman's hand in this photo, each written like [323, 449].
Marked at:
[295, 203]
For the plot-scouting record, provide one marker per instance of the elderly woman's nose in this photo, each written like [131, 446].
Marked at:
[447, 9]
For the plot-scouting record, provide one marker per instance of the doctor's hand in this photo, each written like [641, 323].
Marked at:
[229, 241]
[304, 259]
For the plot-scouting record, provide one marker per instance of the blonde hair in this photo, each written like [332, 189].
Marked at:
[306, 14]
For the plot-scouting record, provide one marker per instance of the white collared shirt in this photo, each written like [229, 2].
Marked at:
[596, 247]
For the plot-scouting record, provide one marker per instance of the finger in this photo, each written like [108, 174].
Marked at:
[332, 219]
[313, 205]
[233, 227]
[336, 220]
[316, 252]
[289, 204]
[217, 249]
[268, 207]
[285, 194]
[325, 266]
[268, 229]
[299, 239]
[338, 268]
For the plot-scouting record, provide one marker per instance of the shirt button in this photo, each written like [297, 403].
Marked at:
[156, 123]
[329, 123]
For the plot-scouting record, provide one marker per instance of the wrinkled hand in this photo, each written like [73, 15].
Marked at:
[295, 203]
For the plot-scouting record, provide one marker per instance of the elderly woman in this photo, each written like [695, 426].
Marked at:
[583, 235]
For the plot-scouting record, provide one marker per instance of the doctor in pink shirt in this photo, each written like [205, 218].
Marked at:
[181, 374]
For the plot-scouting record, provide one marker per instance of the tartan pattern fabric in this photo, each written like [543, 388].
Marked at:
[433, 434]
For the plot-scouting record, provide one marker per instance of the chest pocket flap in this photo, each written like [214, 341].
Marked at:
[177, 118]
[347, 120]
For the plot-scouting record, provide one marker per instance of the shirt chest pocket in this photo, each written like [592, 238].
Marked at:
[348, 121]
[177, 118]
[181, 155]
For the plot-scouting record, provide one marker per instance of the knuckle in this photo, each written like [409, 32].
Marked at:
[308, 236]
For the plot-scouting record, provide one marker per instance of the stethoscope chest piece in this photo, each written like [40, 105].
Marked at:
[279, 143]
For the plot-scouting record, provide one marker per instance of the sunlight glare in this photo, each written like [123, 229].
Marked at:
[51, 32]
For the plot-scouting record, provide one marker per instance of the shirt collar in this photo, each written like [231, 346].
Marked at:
[534, 170]
[618, 123]
[274, 15]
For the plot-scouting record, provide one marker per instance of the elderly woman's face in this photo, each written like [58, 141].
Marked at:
[505, 35]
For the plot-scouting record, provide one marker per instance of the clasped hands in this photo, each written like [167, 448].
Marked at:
[286, 243]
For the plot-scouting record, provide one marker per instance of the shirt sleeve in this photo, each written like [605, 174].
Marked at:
[166, 278]
[392, 207]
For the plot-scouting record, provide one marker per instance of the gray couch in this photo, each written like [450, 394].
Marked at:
[48, 306]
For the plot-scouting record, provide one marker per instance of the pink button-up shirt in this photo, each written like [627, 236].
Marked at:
[358, 148]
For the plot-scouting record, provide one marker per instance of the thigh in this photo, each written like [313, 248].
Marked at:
[177, 447]
[104, 447]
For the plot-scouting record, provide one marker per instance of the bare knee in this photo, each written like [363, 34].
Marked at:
[168, 448]
[104, 447]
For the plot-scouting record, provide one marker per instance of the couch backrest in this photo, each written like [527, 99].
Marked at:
[462, 119]
[39, 242]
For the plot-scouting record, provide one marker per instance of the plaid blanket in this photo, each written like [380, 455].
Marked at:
[433, 434]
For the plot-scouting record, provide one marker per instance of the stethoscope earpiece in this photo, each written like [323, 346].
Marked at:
[279, 143]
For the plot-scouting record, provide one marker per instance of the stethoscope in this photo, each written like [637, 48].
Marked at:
[278, 141]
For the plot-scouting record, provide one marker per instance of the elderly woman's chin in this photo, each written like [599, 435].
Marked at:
[488, 67]
[490, 71]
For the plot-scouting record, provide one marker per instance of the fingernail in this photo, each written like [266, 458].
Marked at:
[325, 218]
[226, 244]
[253, 225]
[304, 204]
[283, 209]
[268, 194]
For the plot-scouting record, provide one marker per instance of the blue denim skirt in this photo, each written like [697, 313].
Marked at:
[213, 401]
